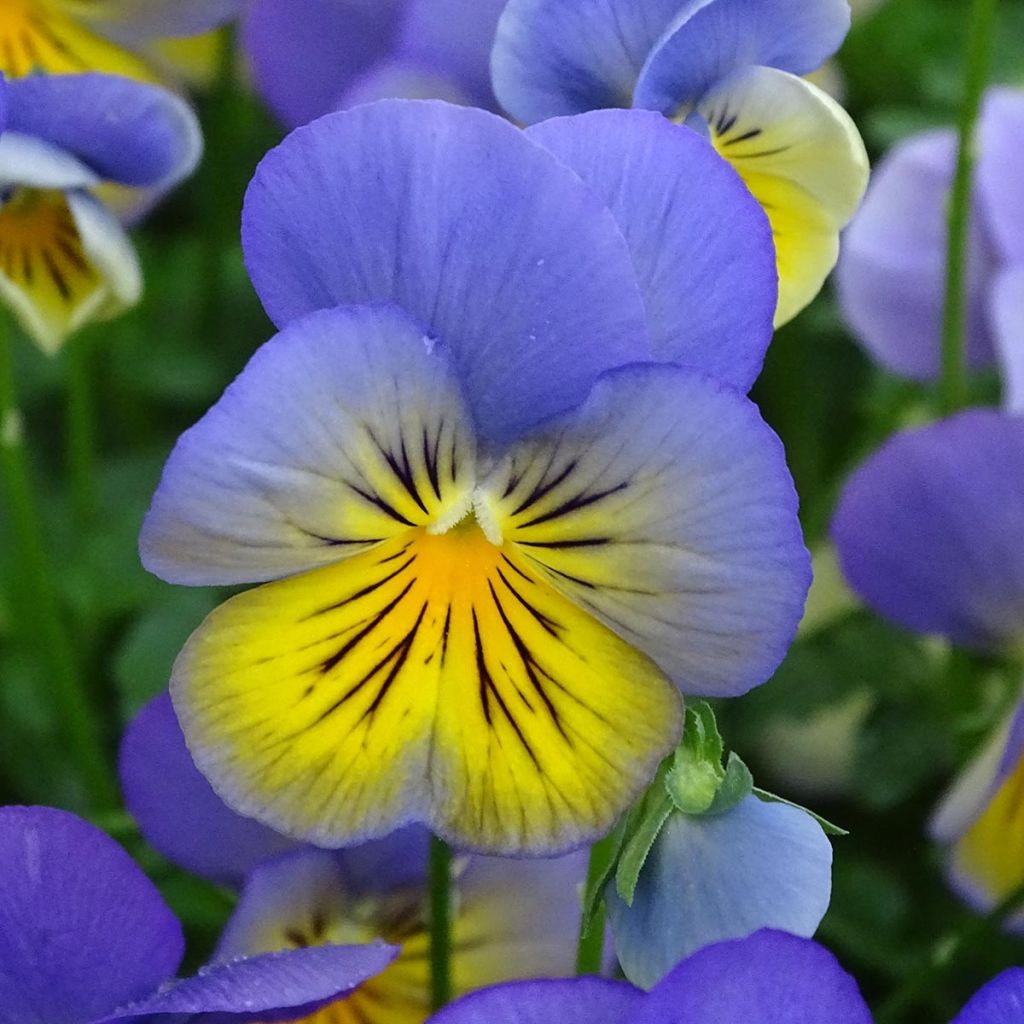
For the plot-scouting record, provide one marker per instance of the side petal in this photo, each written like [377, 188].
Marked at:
[125, 131]
[760, 865]
[517, 919]
[66, 262]
[305, 54]
[587, 1000]
[1001, 135]
[710, 297]
[928, 530]
[709, 41]
[1007, 315]
[558, 57]
[802, 157]
[286, 985]
[178, 813]
[82, 929]
[891, 273]
[402, 78]
[134, 20]
[26, 160]
[435, 679]
[664, 507]
[345, 430]
[1001, 1001]
[467, 225]
[770, 977]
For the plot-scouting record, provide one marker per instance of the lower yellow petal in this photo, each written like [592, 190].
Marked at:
[35, 35]
[45, 274]
[433, 678]
[989, 858]
[801, 156]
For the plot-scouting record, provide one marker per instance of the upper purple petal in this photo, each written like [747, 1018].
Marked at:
[710, 39]
[1001, 1001]
[82, 930]
[700, 242]
[275, 986]
[585, 1000]
[476, 231]
[1007, 315]
[929, 529]
[1000, 144]
[771, 978]
[177, 810]
[557, 57]
[305, 54]
[126, 131]
[891, 272]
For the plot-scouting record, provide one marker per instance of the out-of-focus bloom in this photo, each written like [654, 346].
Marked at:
[929, 535]
[929, 530]
[981, 821]
[512, 918]
[65, 259]
[73, 37]
[722, 876]
[494, 546]
[770, 977]
[892, 274]
[311, 57]
[729, 67]
[85, 937]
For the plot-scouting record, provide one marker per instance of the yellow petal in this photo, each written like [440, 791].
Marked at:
[989, 858]
[801, 156]
[432, 678]
[35, 35]
[45, 274]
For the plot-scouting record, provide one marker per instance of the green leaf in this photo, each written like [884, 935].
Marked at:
[593, 892]
[655, 809]
[826, 826]
[737, 785]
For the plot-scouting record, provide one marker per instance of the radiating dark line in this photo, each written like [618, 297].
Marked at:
[541, 490]
[373, 499]
[547, 624]
[583, 542]
[368, 589]
[327, 665]
[745, 137]
[573, 505]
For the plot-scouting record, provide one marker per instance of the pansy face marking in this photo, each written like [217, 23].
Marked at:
[495, 540]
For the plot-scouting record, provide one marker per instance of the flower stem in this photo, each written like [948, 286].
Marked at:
[81, 430]
[440, 880]
[590, 950]
[953, 384]
[80, 724]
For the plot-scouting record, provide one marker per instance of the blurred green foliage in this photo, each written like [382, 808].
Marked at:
[917, 713]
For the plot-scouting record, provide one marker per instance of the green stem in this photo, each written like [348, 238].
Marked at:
[953, 385]
[80, 724]
[440, 880]
[923, 981]
[81, 430]
[590, 950]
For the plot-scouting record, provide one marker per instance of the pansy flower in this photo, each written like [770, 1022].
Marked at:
[311, 57]
[65, 259]
[771, 978]
[511, 918]
[78, 36]
[498, 538]
[892, 273]
[733, 69]
[85, 937]
[928, 533]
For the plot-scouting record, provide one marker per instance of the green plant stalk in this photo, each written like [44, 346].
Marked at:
[440, 882]
[953, 383]
[81, 430]
[590, 948]
[78, 719]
